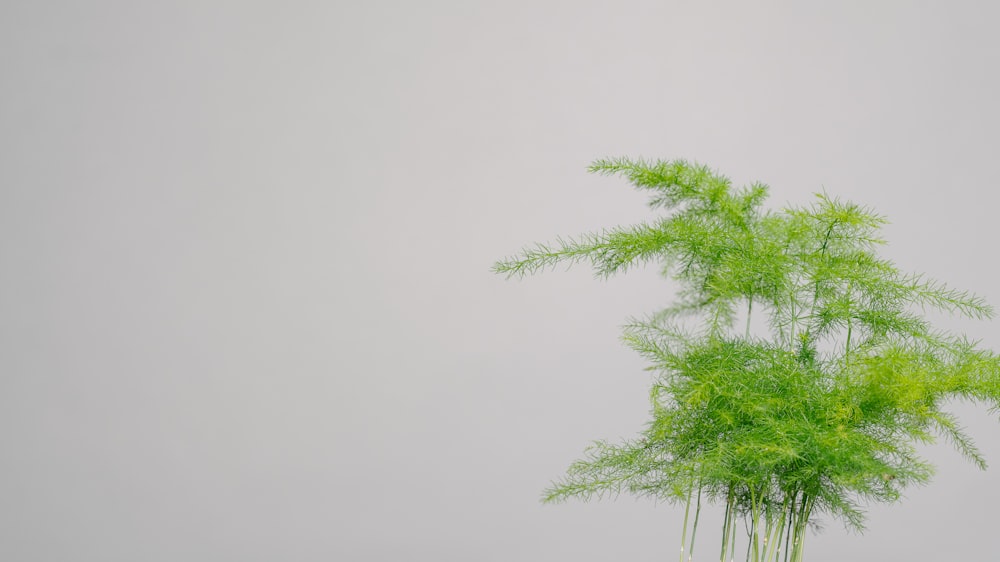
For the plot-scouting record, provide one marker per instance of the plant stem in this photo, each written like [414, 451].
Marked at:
[775, 534]
[694, 529]
[791, 520]
[850, 318]
[791, 326]
[732, 538]
[684, 530]
[726, 527]
[755, 539]
[800, 526]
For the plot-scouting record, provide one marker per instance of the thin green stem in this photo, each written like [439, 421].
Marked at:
[749, 546]
[850, 320]
[800, 528]
[791, 325]
[694, 529]
[774, 534]
[732, 538]
[805, 524]
[726, 527]
[684, 530]
[755, 505]
[791, 518]
[822, 255]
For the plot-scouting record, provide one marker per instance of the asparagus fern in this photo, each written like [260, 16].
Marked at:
[820, 412]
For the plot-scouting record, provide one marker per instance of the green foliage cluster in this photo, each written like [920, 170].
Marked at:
[819, 413]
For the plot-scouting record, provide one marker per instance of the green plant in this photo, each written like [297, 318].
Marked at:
[818, 412]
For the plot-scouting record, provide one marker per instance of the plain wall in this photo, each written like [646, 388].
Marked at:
[247, 310]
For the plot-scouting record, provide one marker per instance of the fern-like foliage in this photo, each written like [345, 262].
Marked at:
[820, 414]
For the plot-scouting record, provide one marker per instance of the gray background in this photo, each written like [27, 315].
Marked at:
[246, 307]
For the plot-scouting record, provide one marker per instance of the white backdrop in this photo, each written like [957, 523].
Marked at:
[247, 312]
